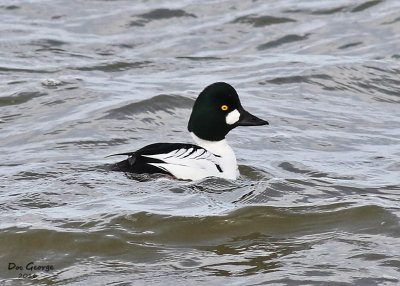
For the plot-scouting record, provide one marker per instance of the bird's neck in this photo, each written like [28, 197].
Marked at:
[219, 148]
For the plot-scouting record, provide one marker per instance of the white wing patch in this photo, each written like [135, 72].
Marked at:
[188, 164]
[184, 154]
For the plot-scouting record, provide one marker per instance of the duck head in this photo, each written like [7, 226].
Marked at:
[217, 110]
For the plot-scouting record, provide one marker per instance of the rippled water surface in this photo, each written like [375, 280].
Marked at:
[318, 199]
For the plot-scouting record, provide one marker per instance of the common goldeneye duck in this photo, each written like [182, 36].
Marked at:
[216, 111]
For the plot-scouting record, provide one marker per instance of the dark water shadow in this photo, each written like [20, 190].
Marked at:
[159, 14]
[341, 9]
[20, 97]
[115, 66]
[262, 21]
[282, 41]
[366, 5]
[166, 103]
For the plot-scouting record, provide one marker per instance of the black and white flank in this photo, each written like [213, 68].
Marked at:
[216, 111]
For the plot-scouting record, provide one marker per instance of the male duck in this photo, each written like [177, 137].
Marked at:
[216, 111]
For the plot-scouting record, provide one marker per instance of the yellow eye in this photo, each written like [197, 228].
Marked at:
[224, 107]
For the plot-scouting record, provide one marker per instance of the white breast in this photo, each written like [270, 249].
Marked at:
[226, 156]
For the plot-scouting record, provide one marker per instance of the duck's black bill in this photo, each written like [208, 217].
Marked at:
[248, 119]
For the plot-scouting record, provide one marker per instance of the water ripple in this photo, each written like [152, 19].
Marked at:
[317, 200]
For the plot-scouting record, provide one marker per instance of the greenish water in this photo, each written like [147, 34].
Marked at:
[317, 202]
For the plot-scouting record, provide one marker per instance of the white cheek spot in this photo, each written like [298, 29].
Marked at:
[232, 117]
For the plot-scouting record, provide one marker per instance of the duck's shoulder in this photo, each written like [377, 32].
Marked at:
[164, 148]
[171, 151]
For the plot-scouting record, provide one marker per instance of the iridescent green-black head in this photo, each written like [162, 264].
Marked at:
[217, 110]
